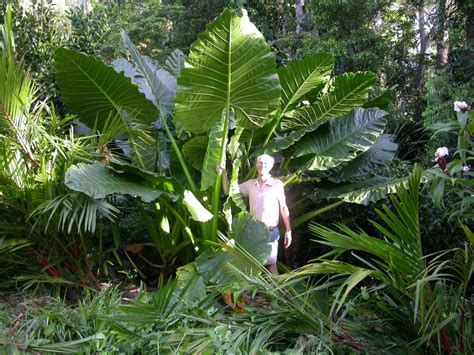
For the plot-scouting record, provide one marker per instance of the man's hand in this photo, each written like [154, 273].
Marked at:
[287, 240]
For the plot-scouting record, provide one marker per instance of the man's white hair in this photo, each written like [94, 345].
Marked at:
[268, 158]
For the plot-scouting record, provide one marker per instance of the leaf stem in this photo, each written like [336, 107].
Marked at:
[181, 220]
[310, 215]
[277, 120]
[151, 227]
[180, 156]
[217, 186]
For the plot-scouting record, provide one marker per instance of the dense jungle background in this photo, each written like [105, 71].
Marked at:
[115, 235]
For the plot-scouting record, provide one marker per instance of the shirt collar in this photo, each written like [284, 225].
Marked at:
[269, 182]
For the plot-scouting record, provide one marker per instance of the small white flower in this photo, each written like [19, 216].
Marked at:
[465, 168]
[461, 106]
[441, 152]
[305, 102]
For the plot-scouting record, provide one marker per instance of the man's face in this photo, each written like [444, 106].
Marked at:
[264, 167]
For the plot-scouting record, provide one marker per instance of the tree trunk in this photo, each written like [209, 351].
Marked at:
[299, 15]
[420, 72]
[468, 10]
[84, 5]
[281, 10]
[315, 30]
[441, 35]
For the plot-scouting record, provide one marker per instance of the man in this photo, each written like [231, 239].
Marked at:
[267, 202]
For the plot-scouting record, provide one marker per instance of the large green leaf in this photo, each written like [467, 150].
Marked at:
[299, 78]
[337, 141]
[234, 148]
[92, 89]
[251, 243]
[191, 282]
[97, 181]
[382, 152]
[195, 150]
[196, 209]
[174, 63]
[229, 66]
[383, 101]
[281, 143]
[362, 192]
[170, 185]
[234, 198]
[212, 157]
[156, 83]
[350, 91]
[251, 235]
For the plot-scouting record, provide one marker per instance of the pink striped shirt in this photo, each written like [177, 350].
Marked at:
[265, 201]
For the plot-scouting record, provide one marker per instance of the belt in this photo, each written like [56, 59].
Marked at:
[272, 228]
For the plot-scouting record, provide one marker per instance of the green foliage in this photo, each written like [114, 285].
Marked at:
[405, 284]
[60, 195]
[340, 139]
[350, 91]
[34, 156]
[172, 319]
[239, 73]
[90, 31]
[300, 78]
[75, 329]
[248, 237]
[94, 91]
[43, 29]
[213, 155]
[381, 152]
[346, 29]
[189, 18]
[96, 181]
[158, 84]
[236, 71]
[441, 91]
[363, 191]
[457, 172]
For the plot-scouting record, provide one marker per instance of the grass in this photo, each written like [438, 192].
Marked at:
[41, 323]
[168, 320]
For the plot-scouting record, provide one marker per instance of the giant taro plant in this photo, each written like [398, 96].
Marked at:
[231, 103]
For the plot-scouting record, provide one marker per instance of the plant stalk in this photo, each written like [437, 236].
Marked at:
[310, 215]
[181, 220]
[180, 157]
[150, 228]
[217, 186]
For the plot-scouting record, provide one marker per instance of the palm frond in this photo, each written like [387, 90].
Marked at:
[76, 209]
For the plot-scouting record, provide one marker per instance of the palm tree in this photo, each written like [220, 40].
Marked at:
[419, 299]
[34, 157]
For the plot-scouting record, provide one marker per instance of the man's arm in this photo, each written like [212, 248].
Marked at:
[243, 189]
[285, 215]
